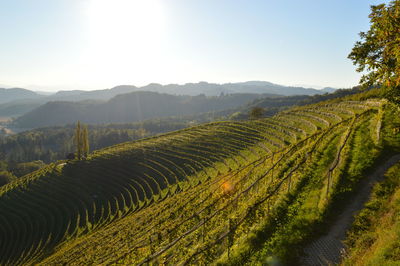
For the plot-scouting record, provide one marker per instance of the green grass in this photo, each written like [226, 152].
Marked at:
[375, 236]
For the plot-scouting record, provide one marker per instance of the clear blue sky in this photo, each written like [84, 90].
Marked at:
[97, 44]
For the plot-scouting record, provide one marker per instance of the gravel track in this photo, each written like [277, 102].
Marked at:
[329, 249]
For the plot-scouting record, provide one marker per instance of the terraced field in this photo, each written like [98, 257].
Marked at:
[202, 194]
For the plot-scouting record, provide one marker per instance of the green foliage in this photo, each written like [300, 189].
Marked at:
[21, 169]
[6, 177]
[54, 143]
[81, 141]
[3, 165]
[78, 141]
[256, 113]
[379, 51]
[273, 105]
[85, 141]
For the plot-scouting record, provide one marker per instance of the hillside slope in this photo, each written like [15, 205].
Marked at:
[330, 247]
[375, 236]
[131, 107]
[193, 195]
[9, 95]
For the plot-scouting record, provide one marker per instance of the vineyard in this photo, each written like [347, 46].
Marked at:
[224, 192]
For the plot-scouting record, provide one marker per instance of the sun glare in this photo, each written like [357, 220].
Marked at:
[227, 187]
[123, 34]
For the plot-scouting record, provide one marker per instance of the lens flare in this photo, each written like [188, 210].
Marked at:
[227, 187]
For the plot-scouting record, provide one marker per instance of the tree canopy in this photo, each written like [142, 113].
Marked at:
[256, 112]
[377, 55]
[81, 141]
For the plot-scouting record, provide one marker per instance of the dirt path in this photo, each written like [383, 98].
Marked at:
[327, 249]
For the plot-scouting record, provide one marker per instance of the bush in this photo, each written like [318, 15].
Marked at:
[6, 177]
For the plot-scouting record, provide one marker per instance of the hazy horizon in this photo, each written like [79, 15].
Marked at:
[97, 44]
[49, 90]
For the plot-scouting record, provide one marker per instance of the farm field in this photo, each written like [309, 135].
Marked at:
[223, 192]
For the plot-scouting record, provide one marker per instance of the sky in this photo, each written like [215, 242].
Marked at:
[53, 45]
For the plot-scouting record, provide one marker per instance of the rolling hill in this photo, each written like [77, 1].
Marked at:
[131, 107]
[18, 105]
[13, 94]
[225, 192]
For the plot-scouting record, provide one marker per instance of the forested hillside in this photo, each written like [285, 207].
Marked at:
[135, 106]
[232, 192]
[54, 143]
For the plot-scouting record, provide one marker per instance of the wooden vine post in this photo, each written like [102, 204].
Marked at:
[289, 182]
[231, 234]
[151, 247]
[204, 229]
[329, 182]
[272, 170]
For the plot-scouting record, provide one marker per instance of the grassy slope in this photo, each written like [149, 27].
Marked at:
[375, 236]
[234, 213]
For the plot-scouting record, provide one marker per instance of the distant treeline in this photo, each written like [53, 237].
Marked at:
[300, 100]
[131, 107]
[273, 105]
[54, 143]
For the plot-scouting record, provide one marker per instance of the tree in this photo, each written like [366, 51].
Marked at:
[6, 177]
[78, 141]
[85, 141]
[81, 141]
[378, 52]
[256, 112]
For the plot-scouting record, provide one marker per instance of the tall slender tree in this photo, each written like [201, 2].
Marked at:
[85, 141]
[256, 113]
[81, 141]
[78, 141]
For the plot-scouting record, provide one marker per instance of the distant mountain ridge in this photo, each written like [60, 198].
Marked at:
[213, 89]
[19, 105]
[328, 90]
[79, 95]
[192, 89]
[16, 102]
[8, 95]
